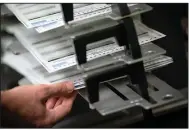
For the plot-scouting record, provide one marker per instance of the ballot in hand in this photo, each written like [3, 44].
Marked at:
[41, 105]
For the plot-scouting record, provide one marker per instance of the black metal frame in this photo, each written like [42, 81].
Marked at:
[125, 34]
[67, 9]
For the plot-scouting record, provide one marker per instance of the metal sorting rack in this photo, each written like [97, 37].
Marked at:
[104, 56]
[109, 93]
[119, 92]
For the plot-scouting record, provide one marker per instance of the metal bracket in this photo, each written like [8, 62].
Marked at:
[67, 9]
[125, 34]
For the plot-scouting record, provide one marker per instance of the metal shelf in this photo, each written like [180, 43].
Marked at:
[110, 102]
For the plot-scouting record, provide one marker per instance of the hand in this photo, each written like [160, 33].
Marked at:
[41, 105]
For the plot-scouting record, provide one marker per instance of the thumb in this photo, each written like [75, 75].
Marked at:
[57, 89]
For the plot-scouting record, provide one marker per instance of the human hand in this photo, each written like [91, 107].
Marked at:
[41, 105]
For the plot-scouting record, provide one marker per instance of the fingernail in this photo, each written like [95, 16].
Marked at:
[70, 87]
